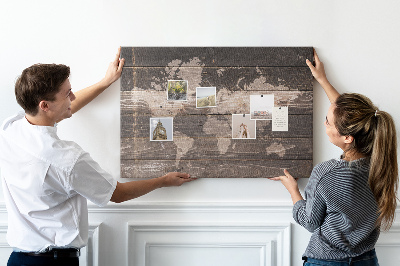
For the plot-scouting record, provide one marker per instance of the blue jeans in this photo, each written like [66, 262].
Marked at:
[367, 259]
[21, 259]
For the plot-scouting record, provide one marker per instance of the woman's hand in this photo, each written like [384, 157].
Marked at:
[318, 71]
[290, 184]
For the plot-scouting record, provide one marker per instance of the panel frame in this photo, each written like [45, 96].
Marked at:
[143, 95]
[272, 239]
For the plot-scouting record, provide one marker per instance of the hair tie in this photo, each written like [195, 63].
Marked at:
[376, 111]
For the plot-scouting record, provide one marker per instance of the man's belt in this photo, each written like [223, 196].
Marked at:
[57, 253]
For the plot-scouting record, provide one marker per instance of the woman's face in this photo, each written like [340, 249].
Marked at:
[332, 131]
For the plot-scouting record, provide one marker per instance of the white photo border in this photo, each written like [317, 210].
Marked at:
[187, 90]
[170, 129]
[250, 120]
[215, 95]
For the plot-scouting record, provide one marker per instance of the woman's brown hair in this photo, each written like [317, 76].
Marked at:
[374, 135]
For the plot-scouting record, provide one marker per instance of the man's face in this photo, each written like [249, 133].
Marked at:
[60, 108]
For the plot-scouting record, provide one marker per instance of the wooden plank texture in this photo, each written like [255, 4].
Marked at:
[202, 137]
[216, 168]
[215, 148]
[228, 78]
[216, 56]
[156, 103]
[197, 126]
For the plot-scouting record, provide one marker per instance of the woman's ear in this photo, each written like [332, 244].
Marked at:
[348, 139]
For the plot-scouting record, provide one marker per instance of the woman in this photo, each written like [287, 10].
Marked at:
[349, 199]
[243, 132]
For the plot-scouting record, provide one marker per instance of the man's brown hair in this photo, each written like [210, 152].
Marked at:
[37, 83]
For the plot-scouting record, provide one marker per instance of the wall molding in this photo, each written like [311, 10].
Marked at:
[270, 241]
[390, 238]
[194, 207]
[163, 207]
[270, 249]
[89, 254]
[91, 251]
[185, 207]
[3, 233]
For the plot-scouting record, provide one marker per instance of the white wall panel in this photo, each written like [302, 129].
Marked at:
[209, 244]
[5, 249]
[90, 253]
[198, 234]
[208, 254]
[388, 246]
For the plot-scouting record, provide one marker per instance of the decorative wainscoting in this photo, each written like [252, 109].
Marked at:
[89, 254]
[5, 249]
[194, 234]
[197, 244]
[388, 246]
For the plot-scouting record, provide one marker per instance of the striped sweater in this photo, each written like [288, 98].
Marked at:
[339, 209]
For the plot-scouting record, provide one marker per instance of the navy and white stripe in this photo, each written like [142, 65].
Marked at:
[339, 209]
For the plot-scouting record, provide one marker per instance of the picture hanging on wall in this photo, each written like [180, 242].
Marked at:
[261, 106]
[243, 127]
[204, 139]
[161, 129]
[177, 90]
[205, 97]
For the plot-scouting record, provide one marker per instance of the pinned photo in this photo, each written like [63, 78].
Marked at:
[261, 106]
[280, 119]
[205, 97]
[161, 129]
[243, 127]
[177, 90]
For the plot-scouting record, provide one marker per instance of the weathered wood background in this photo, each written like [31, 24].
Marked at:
[203, 144]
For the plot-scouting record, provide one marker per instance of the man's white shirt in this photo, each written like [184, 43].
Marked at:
[46, 182]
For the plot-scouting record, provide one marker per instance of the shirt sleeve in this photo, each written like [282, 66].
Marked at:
[310, 213]
[91, 181]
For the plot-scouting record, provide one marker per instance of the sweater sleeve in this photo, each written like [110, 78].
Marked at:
[310, 213]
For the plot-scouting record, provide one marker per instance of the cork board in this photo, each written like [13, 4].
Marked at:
[182, 110]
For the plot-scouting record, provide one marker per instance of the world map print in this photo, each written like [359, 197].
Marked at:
[203, 142]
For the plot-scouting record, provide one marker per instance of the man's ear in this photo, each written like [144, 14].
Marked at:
[348, 139]
[44, 106]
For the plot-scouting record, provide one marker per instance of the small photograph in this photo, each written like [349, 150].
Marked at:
[161, 129]
[205, 97]
[177, 90]
[280, 118]
[261, 106]
[243, 127]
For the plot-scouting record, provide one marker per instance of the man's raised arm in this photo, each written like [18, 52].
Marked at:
[85, 96]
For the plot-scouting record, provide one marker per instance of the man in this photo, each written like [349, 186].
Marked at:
[47, 181]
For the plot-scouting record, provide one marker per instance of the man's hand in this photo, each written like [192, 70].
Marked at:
[134, 189]
[85, 96]
[175, 179]
[114, 69]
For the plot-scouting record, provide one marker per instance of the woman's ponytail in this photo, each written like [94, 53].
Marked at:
[374, 135]
[383, 175]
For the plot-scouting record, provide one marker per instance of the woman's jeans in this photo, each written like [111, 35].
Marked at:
[367, 259]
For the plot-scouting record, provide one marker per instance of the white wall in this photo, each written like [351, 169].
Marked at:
[357, 40]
